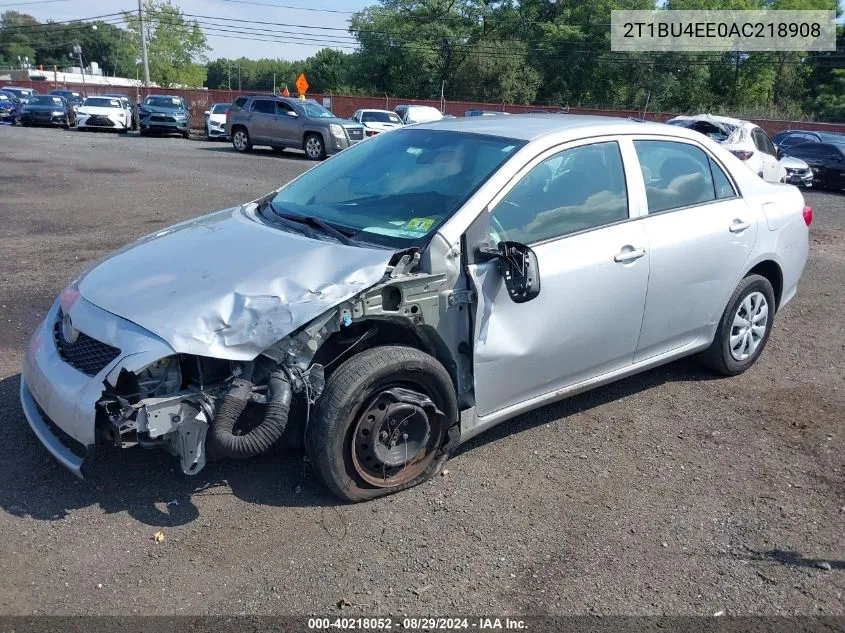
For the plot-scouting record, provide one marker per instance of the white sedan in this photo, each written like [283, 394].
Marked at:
[215, 121]
[103, 113]
[376, 121]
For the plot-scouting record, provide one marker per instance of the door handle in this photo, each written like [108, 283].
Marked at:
[739, 226]
[628, 254]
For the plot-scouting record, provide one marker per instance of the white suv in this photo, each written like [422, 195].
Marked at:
[743, 139]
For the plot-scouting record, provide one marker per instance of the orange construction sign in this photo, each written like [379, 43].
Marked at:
[302, 84]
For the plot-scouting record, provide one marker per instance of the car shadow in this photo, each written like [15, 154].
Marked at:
[149, 485]
[794, 559]
[291, 154]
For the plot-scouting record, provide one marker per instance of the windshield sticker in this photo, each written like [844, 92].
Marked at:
[419, 226]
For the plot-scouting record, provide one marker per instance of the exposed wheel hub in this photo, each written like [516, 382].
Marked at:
[395, 437]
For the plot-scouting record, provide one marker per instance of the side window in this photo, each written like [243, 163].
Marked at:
[758, 142]
[767, 143]
[283, 108]
[724, 188]
[264, 106]
[240, 102]
[676, 175]
[577, 189]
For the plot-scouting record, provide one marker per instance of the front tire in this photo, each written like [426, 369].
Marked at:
[381, 422]
[744, 327]
[315, 148]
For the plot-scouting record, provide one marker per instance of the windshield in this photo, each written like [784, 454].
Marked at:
[380, 117]
[5, 97]
[163, 102]
[316, 111]
[396, 188]
[220, 108]
[47, 101]
[102, 102]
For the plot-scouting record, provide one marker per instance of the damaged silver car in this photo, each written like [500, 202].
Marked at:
[387, 305]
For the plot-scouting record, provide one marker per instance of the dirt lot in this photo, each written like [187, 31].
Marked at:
[670, 492]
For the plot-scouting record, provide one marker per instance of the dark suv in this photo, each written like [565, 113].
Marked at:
[282, 123]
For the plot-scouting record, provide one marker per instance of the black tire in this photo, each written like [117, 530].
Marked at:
[349, 394]
[143, 132]
[186, 134]
[718, 356]
[314, 146]
[246, 145]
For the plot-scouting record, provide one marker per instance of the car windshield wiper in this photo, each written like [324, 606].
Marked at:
[344, 237]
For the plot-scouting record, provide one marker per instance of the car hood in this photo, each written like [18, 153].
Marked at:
[793, 163]
[44, 108]
[227, 286]
[100, 110]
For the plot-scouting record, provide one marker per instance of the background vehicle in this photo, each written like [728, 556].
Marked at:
[215, 120]
[788, 138]
[412, 290]
[417, 114]
[798, 172]
[73, 98]
[375, 121]
[128, 105]
[743, 139]
[484, 113]
[104, 113]
[165, 114]
[23, 94]
[48, 110]
[10, 107]
[827, 160]
[283, 122]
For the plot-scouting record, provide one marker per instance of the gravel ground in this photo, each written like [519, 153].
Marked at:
[671, 492]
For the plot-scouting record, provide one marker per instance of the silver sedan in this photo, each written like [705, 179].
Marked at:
[415, 290]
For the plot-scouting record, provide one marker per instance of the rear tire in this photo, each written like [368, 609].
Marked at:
[241, 141]
[743, 329]
[358, 426]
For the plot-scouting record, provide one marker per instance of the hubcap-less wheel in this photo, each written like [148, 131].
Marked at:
[240, 141]
[749, 326]
[395, 436]
[314, 147]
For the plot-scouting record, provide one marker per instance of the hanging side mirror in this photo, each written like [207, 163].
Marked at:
[518, 264]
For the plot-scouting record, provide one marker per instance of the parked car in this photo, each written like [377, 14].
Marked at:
[788, 138]
[827, 160]
[48, 110]
[10, 107]
[104, 113]
[165, 114]
[128, 105]
[484, 113]
[73, 97]
[798, 172]
[375, 121]
[23, 94]
[215, 120]
[282, 122]
[418, 114]
[743, 139]
[415, 290]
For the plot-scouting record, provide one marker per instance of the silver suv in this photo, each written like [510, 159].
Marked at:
[289, 123]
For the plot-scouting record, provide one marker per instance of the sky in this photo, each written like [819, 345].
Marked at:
[225, 44]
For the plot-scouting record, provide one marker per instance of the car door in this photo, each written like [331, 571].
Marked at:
[700, 234]
[261, 115]
[767, 151]
[287, 126]
[572, 208]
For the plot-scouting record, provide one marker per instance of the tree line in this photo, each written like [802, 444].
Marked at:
[550, 52]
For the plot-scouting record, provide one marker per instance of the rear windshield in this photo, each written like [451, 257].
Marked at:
[220, 108]
[380, 117]
[102, 102]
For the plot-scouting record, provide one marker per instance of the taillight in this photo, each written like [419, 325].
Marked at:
[742, 154]
[371, 132]
[808, 215]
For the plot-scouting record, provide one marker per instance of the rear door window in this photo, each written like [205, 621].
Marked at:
[676, 175]
[264, 106]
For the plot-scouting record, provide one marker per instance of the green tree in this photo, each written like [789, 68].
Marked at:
[176, 47]
[18, 34]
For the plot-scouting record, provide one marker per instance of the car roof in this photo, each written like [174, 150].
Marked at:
[375, 110]
[527, 127]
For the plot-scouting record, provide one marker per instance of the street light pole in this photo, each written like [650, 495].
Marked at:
[78, 50]
[144, 60]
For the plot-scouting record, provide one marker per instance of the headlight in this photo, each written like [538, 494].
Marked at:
[336, 130]
[58, 113]
[181, 116]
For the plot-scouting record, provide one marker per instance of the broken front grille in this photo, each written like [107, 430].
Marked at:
[86, 354]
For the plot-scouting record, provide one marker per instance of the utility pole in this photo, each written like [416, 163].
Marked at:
[144, 60]
[78, 50]
[239, 76]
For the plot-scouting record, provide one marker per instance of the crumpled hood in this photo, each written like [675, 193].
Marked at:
[226, 286]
